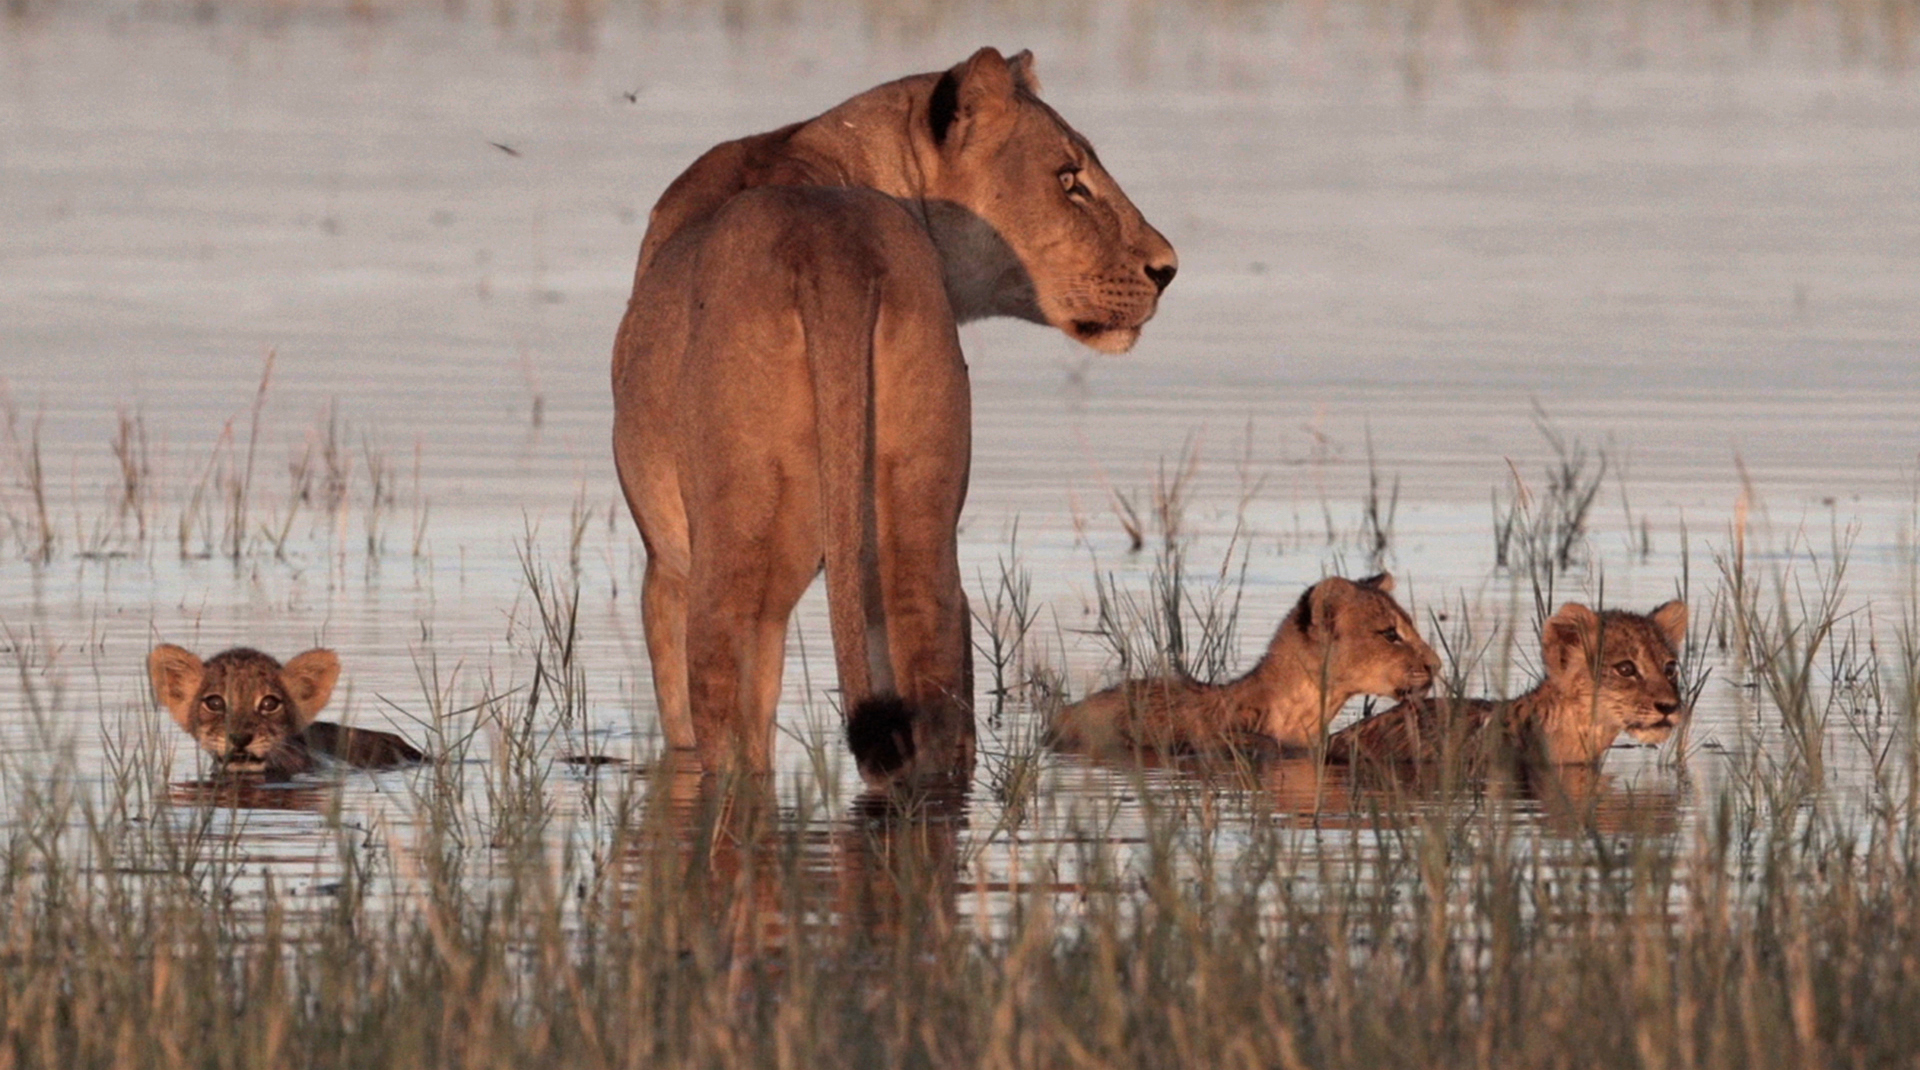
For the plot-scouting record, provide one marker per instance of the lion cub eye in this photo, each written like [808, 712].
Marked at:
[1671, 669]
[1391, 634]
[1627, 669]
[270, 704]
[214, 704]
[1070, 182]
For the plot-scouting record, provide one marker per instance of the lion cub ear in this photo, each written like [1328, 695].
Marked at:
[176, 674]
[309, 680]
[1322, 604]
[1671, 619]
[1563, 642]
[1379, 581]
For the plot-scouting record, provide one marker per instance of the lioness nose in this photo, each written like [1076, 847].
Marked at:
[1162, 275]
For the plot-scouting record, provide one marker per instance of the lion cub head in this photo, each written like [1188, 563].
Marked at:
[1028, 221]
[242, 706]
[1360, 640]
[1622, 667]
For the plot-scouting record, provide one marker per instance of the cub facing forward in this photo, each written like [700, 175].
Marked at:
[255, 715]
[1343, 638]
[1607, 673]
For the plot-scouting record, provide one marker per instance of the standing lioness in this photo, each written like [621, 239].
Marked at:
[789, 392]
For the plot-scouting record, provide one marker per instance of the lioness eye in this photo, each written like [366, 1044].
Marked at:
[1391, 635]
[1627, 669]
[1070, 181]
[214, 703]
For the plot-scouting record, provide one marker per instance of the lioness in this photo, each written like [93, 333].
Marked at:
[789, 393]
[1607, 673]
[255, 715]
[1343, 638]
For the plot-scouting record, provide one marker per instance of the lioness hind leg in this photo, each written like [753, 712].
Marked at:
[752, 569]
[663, 608]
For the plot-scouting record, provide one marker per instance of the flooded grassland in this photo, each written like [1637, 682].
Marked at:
[304, 325]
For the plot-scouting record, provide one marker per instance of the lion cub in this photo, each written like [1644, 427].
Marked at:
[1607, 673]
[1343, 638]
[255, 715]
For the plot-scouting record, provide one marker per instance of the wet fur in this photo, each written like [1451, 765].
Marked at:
[1343, 638]
[1587, 700]
[254, 715]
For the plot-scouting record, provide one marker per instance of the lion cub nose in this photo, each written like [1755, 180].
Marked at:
[239, 740]
[1162, 275]
[1668, 708]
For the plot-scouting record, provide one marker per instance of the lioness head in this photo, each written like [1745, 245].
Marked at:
[1028, 222]
[1625, 664]
[1360, 640]
[243, 707]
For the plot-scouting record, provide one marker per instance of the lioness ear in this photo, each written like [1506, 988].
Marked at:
[972, 101]
[1671, 619]
[176, 674]
[1021, 65]
[1563, 642]
[309, 680]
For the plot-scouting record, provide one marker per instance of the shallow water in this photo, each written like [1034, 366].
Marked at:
[1693, 253]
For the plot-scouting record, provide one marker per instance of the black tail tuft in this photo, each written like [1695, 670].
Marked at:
[880, 734]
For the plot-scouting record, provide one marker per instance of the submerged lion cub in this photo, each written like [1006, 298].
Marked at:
[255, 715]
[1607, 673]
[1343, 638]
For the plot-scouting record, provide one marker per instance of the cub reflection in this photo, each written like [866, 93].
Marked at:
[252, 793]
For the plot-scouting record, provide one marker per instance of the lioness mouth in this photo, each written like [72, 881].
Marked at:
[1090, 328]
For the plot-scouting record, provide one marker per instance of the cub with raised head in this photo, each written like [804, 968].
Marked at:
[1343, 638]
[789, 393]
[255, 715]
[1607, 673]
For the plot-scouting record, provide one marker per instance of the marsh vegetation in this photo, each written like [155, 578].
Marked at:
[1527, 303]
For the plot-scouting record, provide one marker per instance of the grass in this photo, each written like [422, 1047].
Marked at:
[506, 908]
[219, 508]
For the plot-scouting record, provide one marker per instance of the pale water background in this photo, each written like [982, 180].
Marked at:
[1692, 242]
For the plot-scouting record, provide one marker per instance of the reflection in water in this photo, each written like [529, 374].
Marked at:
[753, 878]
[1567, 800]
[254, 793]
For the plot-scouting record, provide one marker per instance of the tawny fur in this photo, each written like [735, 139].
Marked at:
[1607, 673]
[789, 393]
[1341, 640]
[254, 715]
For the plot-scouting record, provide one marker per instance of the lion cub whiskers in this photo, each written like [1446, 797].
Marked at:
[1607, 673]
[255, 715]
[1343, 638]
